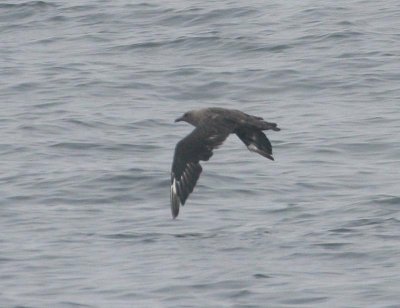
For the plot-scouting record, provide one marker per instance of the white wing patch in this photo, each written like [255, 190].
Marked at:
[213, 137]
[184, 176]
[173, 187]
[252, 147]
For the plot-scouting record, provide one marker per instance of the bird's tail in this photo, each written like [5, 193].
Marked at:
[260, 123]
[269, 125]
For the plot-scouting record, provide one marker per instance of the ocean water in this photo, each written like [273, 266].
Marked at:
[89, 91]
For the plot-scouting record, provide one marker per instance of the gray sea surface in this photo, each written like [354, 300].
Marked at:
[89, 91]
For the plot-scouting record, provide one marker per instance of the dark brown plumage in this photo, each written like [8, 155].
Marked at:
[213, 126]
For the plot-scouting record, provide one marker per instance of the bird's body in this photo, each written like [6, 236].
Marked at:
[212, 127]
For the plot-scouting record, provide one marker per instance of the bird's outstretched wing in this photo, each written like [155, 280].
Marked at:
[196, 146]
[256, 141]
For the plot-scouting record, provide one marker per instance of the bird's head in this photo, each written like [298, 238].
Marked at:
[189, 117]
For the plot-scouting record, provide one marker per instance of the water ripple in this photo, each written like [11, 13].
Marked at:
[90, 90]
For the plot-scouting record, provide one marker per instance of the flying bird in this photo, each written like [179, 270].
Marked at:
[212, 127]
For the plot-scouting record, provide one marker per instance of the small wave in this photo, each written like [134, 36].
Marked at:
[331, 245]
[153, 237]
[30, 4]
[390, 200]
[271, 48]
[365, 222]
[261, 276]
[305, 300]
[342, 34]
[342, 230]
[334, 36]
[74, 304]
[194, 16]
[135, 175]
[26, 86]
[76, 145]
[192, 41]
[143, 237]
[81, 8]
[47, 105]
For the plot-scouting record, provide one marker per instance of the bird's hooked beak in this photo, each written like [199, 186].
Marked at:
[179, 119]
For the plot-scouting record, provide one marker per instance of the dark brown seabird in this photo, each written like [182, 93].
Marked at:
[213, 126]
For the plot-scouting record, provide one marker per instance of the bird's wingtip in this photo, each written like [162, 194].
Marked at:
[175, 203]
[174, 210]
[174, 207]
[267, 155]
